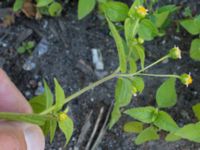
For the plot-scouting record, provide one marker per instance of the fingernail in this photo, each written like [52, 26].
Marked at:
[34, 138]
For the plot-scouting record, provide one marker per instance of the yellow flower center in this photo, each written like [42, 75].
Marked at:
[62, 116]
[142, 11]
[188, 80]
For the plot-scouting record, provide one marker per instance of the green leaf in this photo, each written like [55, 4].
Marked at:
[130, 27]
[120, 46]
[30, 44]
[48, 95]
[38, 103]
[115, 115]
[85, 7]
[164, 121]
[132, 65]
[123, 93]
[60, 96]
[141, 54]
[190, 132]
[160, 18]
[191, 25]
[55, 9]
[115, 11]
[147, 30]
[46, 128]
[149, 134]
[138, 82]
[195, 50]
[67, 127]
[52, 128]
[21, 50]
[18, 5]
[196, 110]
[171, 137]
[166, 94]
[143, 114]
[133, 126]
[43, 3]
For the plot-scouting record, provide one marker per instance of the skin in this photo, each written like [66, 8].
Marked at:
[15, 135]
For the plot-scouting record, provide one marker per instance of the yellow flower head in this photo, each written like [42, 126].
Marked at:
[186, 79]
[175, 53]
[141, 11]
[62, 116]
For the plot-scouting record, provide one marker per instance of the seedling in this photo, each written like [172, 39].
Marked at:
[26, 47]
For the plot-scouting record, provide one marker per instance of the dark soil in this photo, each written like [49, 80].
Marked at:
[71, 41]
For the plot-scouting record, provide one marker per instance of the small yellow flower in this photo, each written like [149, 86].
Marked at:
[62, 116]
[141, 11]
[175, 53]
[186, 79]
[134, 91]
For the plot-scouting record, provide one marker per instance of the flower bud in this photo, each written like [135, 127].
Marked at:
[141, 11]
[175, 53]
[140, 40]
[134, 91]
[186, 79]
[62, 116]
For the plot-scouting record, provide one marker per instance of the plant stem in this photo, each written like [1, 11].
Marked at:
[160, 75]
[145, 68]
[87, 88]
[24, 117]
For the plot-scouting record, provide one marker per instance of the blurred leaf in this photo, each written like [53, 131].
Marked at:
[164, 121]
[147, 30]
[18, 5]
[148, 134]
[60, 96]
[123, 93]
[52, 128]
[85, 7]
[115, 115]
[130, 29]
[133, 126]
[55, 9]
[38, 103]
[132, 65]
[143, 114]
[187, 12]
[46, 128]
[171, 137]
[190, 132]
[48, 95]
[191, 25]
[166, 94]
[196, 110]
[115, 11]
[195, 50]
[43, 3]
[67, 127]
[141, 54]
[138, 82]
[21, 50]
[120, 46]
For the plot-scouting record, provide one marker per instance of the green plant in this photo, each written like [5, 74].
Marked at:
[139, 26]
[46, 7]
[26, 47]
[192, 25]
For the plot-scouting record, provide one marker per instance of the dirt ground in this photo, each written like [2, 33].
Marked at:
[69, 59]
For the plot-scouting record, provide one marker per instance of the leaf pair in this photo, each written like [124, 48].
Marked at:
[193, 27]
[123, 95]
[151, 115]
[45, 101]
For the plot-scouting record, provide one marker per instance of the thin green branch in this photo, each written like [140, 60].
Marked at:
[160, 75]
